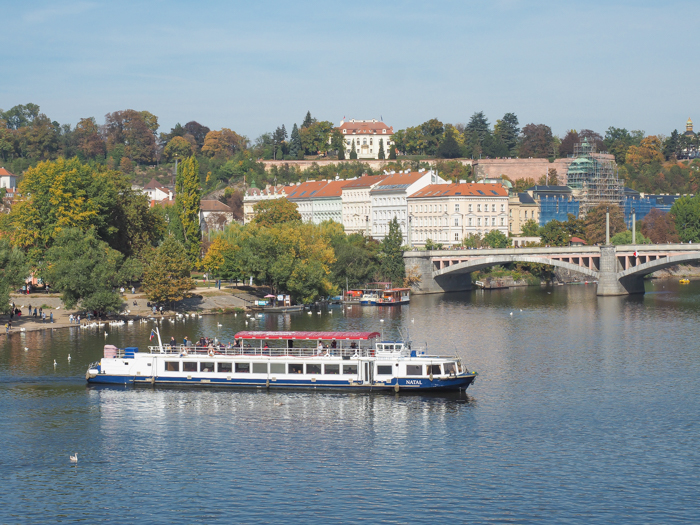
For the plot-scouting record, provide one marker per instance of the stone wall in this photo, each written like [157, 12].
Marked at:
[516, 169]
[376, 165]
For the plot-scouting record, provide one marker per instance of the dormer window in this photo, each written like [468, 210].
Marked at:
[345, 130]
[384, 131]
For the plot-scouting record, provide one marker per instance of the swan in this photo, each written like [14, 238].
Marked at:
[26, 349]
[74, 459]
[69, 358]
[55, 364]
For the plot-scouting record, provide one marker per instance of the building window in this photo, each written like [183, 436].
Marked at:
[456, 222]
[470, 221]
[478, 207]
[502, 223]
[345, 131]
[478, 221]
[370, 141]
[457, 208]
[493, 207]
[456, 236]
[503, 207]
[470, 208]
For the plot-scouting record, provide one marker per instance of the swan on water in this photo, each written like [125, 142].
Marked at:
[74, 459]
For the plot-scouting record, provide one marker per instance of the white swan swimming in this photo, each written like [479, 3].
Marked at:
[74, 459]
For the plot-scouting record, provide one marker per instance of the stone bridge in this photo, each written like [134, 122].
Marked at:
[619, 270]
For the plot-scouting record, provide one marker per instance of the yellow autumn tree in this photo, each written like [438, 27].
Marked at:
[648, 151]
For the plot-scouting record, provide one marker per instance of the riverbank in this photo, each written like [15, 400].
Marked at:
[203, 301]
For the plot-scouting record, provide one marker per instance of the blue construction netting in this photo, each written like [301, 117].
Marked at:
[642, 206]
[557, 209]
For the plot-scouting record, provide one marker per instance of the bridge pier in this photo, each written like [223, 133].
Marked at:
[608, 281]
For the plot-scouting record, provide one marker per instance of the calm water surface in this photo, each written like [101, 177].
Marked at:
[585, 411]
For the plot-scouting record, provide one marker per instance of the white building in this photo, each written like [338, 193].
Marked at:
[303, 196]
[366, 135]
[214, 215]
[156, 192]
[8, 180]
[327, 203]
[447, 213]
[253, 195]
[389, 199]
[357, 203]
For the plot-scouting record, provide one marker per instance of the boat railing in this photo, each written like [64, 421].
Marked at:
[346, 353]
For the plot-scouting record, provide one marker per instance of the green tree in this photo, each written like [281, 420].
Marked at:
[506, 130]
[13, 271]
[166, 274]
[380, 153]
[625, 237]
[393, 267]
[275, 211]
[449, 148]
[188, 195]
[353, 151]
[133, 130]
[554, 234]
[472, 241]
[536, 141]
[308, 120]
[496, 239]
[530, 228]
[178, 147]
[686, 215]
[85, 270]
[392, 152]
[295, 148]
[357, 260]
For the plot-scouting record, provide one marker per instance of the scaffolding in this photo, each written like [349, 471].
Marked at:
[557, 208]
[594, 177]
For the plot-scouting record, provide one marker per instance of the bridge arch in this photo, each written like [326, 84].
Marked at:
[485, 262]
[658, 264]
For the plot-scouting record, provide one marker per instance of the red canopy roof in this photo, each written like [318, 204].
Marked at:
[308, 335]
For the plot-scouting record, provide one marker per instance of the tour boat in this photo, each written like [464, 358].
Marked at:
[290, 360]
[394, 296]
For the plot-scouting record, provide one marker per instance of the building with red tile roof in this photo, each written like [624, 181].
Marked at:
[8, 180]
[389, 199]
[365, 135]
[357, 203]
[448, 213]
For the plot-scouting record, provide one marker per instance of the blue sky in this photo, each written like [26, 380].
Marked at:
[252, 66]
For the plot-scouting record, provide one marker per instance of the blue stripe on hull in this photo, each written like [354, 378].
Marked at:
[404, 384]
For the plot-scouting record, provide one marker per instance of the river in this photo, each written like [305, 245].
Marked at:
[585, 411]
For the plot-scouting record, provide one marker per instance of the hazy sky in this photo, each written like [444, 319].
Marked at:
[252, 66]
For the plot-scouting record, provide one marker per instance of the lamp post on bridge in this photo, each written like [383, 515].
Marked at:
[607, 226]
[634, 228]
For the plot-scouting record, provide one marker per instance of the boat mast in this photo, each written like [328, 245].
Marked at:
[160, 343]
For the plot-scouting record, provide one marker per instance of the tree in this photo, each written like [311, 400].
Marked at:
[496, 239]
[506, 130]
[88, 139]
[188, 195]
[473, 241]
[198, 132]
[536, 141]
[314, 138]
[566, 148]
[308, 120]
[178, 147]
[551, 179]
[393, 267]
[134, 131]
[625, 237]
[432, 132]
[392, 152]
[166, 275]
[338, 143]
[530, 228]
[554, 234]
[224, 143]
[520, 185]
[221, 259]
[380, 154]
[686, 215]
[275, 211]
[449, 148]
[13, 271]
[659, 227]
[648, 151]
[357, 260]
[353, 151]
[594, 223]
[618, 140]
[85, 270]
[295, 148]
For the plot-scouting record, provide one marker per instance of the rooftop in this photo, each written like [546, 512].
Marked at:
[214, 205]
[461, 189]
[365, 126]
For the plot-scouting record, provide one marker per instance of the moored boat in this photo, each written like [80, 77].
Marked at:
[291, 360]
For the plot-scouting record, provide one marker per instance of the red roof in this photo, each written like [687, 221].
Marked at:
[401, 178]
[464, 188]
[332, 189]
[353, 336]
[365, 181]
[5, 173]
[154, 184]
[578, 239]
[214, 205]
[304, 190]
[365, 127]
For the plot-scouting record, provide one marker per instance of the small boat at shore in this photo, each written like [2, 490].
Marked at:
[684, 281]
[355, 361]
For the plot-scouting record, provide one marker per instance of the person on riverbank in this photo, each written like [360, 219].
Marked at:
[30, 311]
[51, 317]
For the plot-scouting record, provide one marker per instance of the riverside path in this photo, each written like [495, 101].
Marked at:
[619, 270]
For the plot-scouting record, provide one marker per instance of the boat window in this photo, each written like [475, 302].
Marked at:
[296, 368]
[206, 367]
[261, 368]
[242, 368]
[385, 370]
[172, 366]
[277, 368]
[450, 368]
[313, 368]
[434, 369]
[350, 369]
[388, 347]
[331, 369]
[189, 366]
[224, 367]
[414, 370]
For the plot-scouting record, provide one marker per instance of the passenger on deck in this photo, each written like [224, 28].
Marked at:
[173, 343]
[334, 344]
[319, 349]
